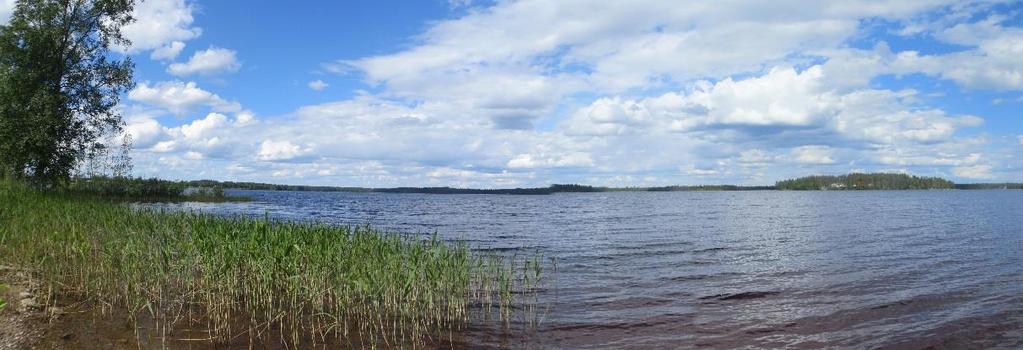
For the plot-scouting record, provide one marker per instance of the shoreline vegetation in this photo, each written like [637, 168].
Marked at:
[854, 181]
[147, 190]
[227, 280]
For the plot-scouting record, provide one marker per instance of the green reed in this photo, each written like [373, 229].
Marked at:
[258, 278]
[3, 302]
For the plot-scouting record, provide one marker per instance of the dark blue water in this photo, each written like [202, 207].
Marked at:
[907, 269]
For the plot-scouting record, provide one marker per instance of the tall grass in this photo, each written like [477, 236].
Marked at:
[257, 278]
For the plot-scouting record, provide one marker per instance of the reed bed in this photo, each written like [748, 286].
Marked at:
[236, 278]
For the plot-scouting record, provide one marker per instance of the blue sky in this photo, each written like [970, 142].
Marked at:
[284, 55]
[528, 93]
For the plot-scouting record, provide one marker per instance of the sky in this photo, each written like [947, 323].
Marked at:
[529, 93]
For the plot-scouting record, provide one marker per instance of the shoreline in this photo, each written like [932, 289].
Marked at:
[237, 281]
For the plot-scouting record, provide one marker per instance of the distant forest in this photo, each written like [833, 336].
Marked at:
[991, 186]
[859, 181]
[855, 181]
[557, 188]
[158, 188]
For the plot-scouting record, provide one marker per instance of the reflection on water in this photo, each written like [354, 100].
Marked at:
[733, 269]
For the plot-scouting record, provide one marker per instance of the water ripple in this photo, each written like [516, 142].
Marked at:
[845, 270]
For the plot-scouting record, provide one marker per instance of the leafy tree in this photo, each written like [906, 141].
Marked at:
[59, 85]
[108, 161]
[120, 163]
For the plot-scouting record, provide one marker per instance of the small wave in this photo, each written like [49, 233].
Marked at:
[739, 296]
[702, 277]
[708, 250]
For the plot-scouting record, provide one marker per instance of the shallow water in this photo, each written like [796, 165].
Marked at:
[767, 269]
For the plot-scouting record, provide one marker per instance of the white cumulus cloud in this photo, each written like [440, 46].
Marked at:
[639, 93]
[812, 155]
[167, 52]
[159, 23]
[207, 62]
[180, 97]
[144, 130]
[278, 150]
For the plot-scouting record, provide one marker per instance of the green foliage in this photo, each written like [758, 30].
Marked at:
[238, 278]
[273, 187]
[859, 181]
[59, 87]
[3, 302]
[148, 190]
[124, 187]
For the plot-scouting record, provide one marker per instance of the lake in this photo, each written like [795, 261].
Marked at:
[764, 269]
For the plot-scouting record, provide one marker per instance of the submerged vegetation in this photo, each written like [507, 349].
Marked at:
[238, 278]
[860, 181]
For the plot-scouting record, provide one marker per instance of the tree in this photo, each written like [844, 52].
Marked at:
[59, 85]
[120, 163]
[104, 162]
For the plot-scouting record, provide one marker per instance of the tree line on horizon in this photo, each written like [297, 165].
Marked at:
[555, 188]
[865, 181]
[154, 188]
[853, 181]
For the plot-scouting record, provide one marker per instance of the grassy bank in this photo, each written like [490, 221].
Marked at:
[254, 278]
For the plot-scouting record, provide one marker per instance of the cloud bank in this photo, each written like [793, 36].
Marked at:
[525, 93]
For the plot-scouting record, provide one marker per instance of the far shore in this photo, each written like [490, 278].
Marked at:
[847, 182]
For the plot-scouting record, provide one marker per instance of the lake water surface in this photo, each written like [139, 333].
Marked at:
[766, 269]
